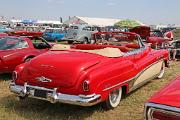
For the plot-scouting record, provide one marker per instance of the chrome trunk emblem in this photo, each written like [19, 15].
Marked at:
[43, 79]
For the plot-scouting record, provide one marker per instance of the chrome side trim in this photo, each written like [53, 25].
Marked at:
[118, 84]
[135, 51]
[150, 107]
[53, 96]
[134, 87]
[165, 107]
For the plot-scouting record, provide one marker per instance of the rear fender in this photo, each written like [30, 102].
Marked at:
[106, 83]
[125, 89]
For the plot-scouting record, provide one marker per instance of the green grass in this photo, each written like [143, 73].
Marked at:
[131, 107]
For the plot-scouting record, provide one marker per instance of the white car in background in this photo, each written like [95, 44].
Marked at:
[80, 33]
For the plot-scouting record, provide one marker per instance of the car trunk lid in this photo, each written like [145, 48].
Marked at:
[61, 68]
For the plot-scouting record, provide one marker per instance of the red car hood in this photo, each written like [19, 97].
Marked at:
[169, 95]
[62, 67]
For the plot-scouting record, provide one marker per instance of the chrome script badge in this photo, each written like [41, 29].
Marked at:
[43, 79]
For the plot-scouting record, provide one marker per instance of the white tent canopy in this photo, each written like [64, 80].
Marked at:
[92, 21]
[48, 22]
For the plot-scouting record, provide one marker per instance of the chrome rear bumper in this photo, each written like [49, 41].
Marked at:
[53, 97]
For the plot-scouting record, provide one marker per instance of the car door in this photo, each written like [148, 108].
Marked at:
[147, 64]
[58, 34]
[86, 32]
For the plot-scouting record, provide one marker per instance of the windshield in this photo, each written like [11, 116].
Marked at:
[12, 43]
[117, 39]
[74, 27]
[58, 31]
[53, 31]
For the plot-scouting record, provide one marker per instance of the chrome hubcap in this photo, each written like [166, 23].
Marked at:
[114, 95]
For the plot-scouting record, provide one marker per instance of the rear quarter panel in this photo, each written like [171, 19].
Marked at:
[113, 73]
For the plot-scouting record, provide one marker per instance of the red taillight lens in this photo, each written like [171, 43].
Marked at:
[14, 76]
[157, 114]
[164, 116]
[86, 85]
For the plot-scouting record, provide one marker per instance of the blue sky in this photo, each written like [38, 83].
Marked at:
[147, 11]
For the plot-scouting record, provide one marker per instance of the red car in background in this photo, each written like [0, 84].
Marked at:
[165, 105]
[156, 38]
[3, 34]
[159, 40]
[143, 31]
[87, 74]
[27, 31]
[17, 50]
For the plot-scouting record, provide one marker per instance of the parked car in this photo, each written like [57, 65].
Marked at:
[26, 31]
[87, 74]
[17, 50]
[80, 33]
[4, 29]
[53, 34]
[143, 31]
[158, 40]
[165, 104]
[175, 49]
[3, 34]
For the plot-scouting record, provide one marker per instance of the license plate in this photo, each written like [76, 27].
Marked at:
[40, 93]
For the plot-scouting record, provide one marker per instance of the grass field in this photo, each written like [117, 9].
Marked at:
[131, 107]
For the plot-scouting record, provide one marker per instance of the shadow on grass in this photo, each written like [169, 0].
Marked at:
[7, 76]
[42, 110]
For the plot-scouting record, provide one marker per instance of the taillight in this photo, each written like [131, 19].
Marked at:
[14, 76]
[86, 85]
[158, 114]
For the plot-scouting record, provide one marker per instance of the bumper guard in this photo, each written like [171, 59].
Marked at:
[53, 97]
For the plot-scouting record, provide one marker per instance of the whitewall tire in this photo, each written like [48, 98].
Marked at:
[114, 99]
[161, 74]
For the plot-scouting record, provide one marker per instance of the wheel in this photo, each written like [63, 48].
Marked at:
[161, 74]
[27, 59]
[85, 41]
[70, 42]
[113, 100]
[92, 42]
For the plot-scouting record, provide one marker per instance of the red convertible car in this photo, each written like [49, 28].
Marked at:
[165, 105]
[27, 31]
[17, 50]
[87, 74]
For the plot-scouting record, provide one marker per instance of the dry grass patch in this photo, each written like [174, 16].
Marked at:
[131, 107]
